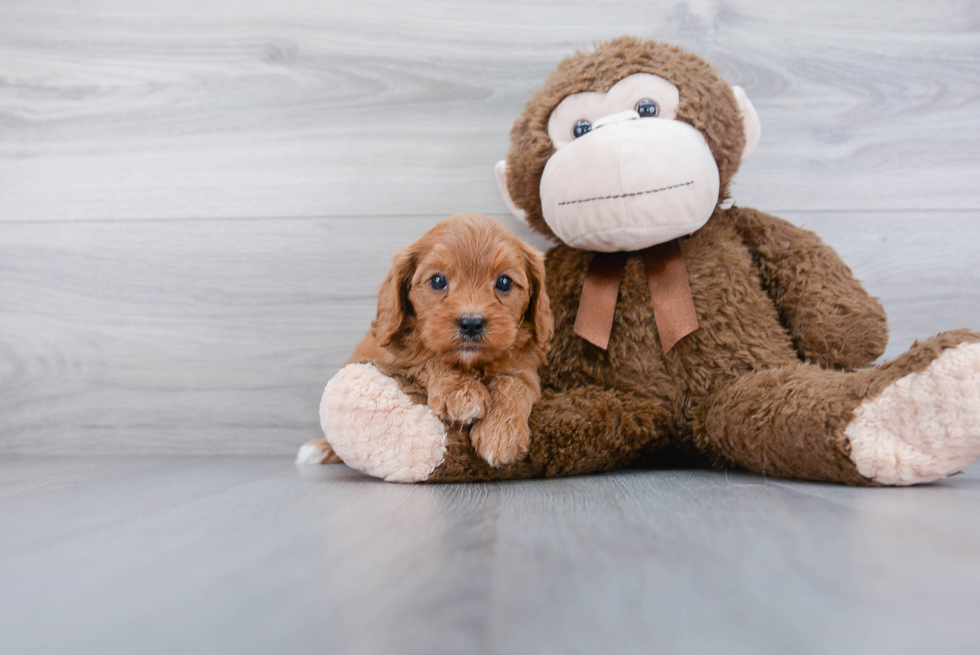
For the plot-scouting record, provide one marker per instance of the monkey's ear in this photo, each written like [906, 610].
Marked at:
[750, 121]
[539, 306]
[393, 303]
[501, 171]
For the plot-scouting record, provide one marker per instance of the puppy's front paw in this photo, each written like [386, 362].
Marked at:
[464, 404]
[501, 438]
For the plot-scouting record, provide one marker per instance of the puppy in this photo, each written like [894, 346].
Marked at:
[465, 313]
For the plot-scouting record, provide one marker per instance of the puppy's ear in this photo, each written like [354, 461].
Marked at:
[539, 306]
[393, 304]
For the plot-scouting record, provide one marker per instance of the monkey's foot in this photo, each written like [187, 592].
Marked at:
[378, 429]
[924, 426]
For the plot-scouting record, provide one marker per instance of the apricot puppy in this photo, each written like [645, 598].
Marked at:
[464, 310]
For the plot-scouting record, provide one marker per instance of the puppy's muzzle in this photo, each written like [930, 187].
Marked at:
[471, 326]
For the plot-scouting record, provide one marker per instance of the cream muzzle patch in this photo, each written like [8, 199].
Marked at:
[609, 191]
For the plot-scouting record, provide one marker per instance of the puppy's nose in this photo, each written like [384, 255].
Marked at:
[471, 325]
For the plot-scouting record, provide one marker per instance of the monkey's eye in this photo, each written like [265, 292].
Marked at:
[504, 284]
[647, 108]
[582, 128]
[438, 282]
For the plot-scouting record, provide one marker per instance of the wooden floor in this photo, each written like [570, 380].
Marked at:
[256, 555]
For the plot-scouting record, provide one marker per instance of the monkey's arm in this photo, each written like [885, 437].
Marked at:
[832, 319]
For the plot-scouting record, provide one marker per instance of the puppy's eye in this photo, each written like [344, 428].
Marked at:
[504, 284]
[582, 128]
[647, 108]
[438, 282]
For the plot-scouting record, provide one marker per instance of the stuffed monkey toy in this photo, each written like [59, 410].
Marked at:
[685, 333]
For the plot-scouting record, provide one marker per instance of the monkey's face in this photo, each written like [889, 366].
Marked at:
[625, 147]
[626, 175]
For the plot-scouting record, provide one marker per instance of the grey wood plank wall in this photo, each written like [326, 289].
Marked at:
[199, 199]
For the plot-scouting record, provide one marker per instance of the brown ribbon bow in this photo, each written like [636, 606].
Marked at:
[670, 295]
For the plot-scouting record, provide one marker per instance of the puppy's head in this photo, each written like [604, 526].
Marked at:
[469, 290]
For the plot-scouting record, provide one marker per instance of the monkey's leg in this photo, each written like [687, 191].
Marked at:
[913, 420]
[581, 430]
[378, 422]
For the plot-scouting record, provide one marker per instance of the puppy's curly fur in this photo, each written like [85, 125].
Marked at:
[465, 313]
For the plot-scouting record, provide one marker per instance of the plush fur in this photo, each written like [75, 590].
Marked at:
[924, 426]
[706, 102]
[774, 380]
[357, 401]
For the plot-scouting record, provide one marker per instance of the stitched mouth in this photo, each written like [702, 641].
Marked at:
[627, 195]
